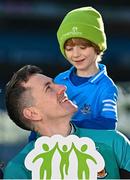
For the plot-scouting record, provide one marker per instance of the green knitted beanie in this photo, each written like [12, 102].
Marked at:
[85, 22]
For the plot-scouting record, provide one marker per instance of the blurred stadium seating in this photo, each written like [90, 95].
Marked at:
[28, 36]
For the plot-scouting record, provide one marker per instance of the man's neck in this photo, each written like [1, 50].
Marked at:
[52, 128]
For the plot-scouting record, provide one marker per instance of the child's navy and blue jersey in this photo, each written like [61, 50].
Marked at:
[96, 99]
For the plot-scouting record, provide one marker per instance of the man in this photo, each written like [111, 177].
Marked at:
[35, 102]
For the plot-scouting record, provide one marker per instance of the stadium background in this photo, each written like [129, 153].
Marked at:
[28, 36]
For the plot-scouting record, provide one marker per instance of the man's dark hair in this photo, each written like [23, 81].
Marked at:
[15, 95]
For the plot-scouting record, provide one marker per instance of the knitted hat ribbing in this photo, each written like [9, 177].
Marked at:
[85, 22]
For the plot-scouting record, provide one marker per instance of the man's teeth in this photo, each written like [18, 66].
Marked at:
[63, 100]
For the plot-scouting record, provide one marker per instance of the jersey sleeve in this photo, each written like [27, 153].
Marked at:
[109, 103]
[122, 151]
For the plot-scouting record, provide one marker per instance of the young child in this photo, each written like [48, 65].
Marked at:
[82, 41]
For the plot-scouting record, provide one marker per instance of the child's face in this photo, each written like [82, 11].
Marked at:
[82, 54]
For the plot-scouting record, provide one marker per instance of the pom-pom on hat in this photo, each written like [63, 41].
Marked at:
[85, 22]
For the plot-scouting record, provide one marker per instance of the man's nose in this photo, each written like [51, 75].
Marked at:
[61, 88]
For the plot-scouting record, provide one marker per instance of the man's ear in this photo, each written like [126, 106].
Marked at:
[31, 113]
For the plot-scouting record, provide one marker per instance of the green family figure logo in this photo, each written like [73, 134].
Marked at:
[60, 157]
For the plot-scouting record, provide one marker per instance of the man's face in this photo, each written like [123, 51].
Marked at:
[50, 99]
